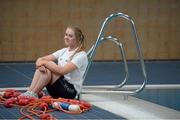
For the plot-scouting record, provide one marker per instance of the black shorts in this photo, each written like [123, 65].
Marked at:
[61, 88]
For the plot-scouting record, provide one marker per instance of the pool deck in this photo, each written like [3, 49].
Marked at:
[131, 107]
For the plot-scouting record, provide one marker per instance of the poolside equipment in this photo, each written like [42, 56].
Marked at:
[101, 39]
[33, 108]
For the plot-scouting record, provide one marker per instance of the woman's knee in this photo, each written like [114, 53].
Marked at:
[48, 73]
[54, 77]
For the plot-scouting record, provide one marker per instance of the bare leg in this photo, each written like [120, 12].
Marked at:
[54, 78]
[42, 81]
[37, 74]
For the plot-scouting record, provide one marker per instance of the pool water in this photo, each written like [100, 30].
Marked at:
[166, 97]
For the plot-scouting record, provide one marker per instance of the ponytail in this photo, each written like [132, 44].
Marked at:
[80, 37]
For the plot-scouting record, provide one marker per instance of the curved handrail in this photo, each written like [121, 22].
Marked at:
[119, 44]
[138, 47]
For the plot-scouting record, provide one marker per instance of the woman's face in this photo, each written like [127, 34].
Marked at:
[70, 38]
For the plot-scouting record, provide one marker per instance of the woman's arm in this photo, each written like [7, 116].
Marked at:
[57, 69]
[42, 60]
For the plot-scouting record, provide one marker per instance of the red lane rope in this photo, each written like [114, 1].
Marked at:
[32, 108]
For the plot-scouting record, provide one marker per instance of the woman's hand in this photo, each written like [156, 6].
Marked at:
[40, 62]
[42, 69]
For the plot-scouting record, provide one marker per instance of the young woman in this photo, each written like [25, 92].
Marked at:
[65, 78]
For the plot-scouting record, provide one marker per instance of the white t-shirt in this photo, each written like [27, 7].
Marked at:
[79, 59]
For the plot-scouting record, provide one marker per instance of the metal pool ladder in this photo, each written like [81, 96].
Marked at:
[101, 38]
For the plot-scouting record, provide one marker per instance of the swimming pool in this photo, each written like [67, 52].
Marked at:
[160, 74]
[166, 97]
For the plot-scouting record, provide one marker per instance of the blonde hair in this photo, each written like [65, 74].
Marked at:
[80, 37]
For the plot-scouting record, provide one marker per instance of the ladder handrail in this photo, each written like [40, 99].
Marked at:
[138, 47]
[119, 44]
